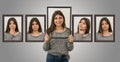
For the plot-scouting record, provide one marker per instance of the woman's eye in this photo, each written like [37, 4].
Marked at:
[84, 23]
[60, 17]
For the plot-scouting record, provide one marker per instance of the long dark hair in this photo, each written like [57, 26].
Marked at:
[87, 23]
[53, 26]
[100, 25]
[8, 23]
[30, 26]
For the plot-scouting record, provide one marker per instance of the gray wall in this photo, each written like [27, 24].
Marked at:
[83, 51]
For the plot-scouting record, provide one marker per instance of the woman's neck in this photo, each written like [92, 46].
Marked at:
[35, 33]
[13, 32]
[106, 33]
[82, 32]
[59, 29]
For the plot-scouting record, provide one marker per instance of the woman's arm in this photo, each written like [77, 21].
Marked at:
[46, 45]
[70, 43]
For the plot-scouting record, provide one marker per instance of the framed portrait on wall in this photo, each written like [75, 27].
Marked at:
[12, 28]
[82, 27]
[104, 28]
[35, 27]
[53, 10]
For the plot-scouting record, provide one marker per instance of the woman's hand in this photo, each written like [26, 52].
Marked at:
[70, 38]
[46, 38]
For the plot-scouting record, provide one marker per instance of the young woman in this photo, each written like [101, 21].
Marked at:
[83, 30]
[35, 30]
[12, 31]
[58, 39]
[105, 30]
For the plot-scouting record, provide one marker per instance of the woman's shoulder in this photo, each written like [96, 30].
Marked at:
[76, 34]
[42, 34]
[18, 34]
[111, 34]
[89, 34]
[98, 34]
[67, 30]
[6, 34]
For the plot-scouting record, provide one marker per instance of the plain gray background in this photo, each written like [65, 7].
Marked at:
[83, 51]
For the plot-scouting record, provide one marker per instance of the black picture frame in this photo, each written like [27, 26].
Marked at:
[61, 8]
[91, 25]
[43, 26]
[95, 31]
[13, 16]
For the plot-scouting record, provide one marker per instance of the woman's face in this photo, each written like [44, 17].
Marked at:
[105, 25]
[35, 26]
[12, 25]
[58, 20]
[82, 25]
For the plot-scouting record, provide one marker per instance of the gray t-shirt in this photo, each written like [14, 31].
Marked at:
[79, 37]
[99, 36]
[59, 43]
[8, 36]
[40, 37]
